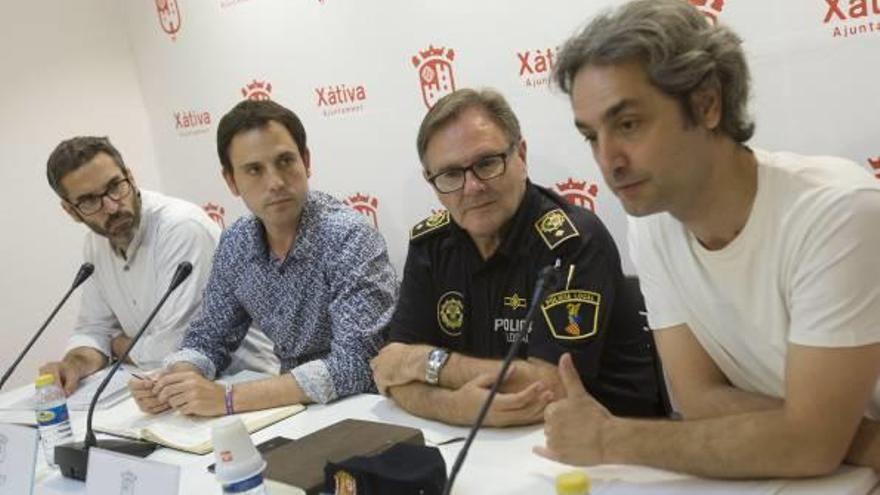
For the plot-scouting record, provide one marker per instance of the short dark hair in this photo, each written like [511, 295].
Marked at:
[454, 104]
[75, 152]
[678, 49]
[253, 114]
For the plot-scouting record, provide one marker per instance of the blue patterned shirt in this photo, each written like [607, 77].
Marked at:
[325, 306]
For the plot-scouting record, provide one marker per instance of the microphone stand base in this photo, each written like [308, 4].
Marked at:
[73, 458]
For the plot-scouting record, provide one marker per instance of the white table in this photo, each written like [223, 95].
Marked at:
[500, 461]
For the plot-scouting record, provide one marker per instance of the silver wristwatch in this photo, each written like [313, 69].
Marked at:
[436, 359]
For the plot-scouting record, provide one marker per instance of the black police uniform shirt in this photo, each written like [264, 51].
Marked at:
[452, 298]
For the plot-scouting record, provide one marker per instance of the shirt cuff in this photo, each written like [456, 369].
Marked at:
[315, 381]
[196, 358]
[100, 343]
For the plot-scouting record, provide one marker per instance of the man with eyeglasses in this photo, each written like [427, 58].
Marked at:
[137, 239]
[470, 272]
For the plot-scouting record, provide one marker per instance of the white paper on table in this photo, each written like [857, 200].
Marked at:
[18, 458]
[115, 392]
[111, 473]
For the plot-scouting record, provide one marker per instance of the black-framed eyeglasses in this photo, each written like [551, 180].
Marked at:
[116, 190]
[488, 167]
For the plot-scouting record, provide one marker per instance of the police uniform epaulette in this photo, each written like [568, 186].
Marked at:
[555, 227]
[434, 223]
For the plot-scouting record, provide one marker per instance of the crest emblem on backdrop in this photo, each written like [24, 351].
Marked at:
[365, 205]
[169, 16]
[710, 8]
[435, 73]
[875, 166]
[579, 193]
[216, 213]
[257, 90]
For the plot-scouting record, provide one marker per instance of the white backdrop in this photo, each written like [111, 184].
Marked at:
[157, 75]
[66, 69]
[814, 92]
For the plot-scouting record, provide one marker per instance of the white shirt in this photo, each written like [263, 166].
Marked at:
[123, 291]
[803, 270]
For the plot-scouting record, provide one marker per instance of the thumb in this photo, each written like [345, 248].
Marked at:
[570, 378]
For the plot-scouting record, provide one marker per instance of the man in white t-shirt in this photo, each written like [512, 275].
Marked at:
[137, 239]
[759, 269]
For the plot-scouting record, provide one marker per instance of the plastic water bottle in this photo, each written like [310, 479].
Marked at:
[52, 417]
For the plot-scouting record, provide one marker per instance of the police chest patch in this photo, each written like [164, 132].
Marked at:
[555, 227]
[572, 314]
[430, 224]
[450, 313]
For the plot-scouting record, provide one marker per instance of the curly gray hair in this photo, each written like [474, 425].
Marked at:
[679, 50]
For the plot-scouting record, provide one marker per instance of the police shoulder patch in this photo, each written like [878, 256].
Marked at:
[431, 224]
[572, 314]
[555, 227]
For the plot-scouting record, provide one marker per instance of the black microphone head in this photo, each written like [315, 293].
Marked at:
[85, 271]
[183, 271]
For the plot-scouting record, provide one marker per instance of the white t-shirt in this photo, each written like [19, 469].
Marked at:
[805, 269]
[124, 290]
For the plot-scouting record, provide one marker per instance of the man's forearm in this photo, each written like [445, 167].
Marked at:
[461, 369]
[752, 445]
[727, 401]
[86, 360]
[264, 394]
[430, 402]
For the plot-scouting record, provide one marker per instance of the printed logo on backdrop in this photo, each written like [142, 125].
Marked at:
[216, 213]
[340, 99]
[579, 193]
[365, 205]
[535, 66]
[875, 166]
[192, 122]
[849, 18]
[169, 17]
[257, 90]
[710, 8]
[435, 73]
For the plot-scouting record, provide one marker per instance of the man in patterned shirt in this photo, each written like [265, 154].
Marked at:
[308, 271]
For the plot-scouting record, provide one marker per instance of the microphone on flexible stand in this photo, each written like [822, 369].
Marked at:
[73, 458]
[548, 277]
[85, 271]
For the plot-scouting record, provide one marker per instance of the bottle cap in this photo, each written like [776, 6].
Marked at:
[44, 380]
[236, 457]
[572, 483]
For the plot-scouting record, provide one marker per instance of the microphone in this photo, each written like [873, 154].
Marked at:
[548, 277]
[85, 271]
[73, 458]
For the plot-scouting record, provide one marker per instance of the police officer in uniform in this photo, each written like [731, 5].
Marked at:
[470, 272]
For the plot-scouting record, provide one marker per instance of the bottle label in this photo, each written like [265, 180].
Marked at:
[246, 486]
[53, 415]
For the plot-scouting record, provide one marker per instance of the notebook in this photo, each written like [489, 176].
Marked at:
[174, 430]
[177, 431]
